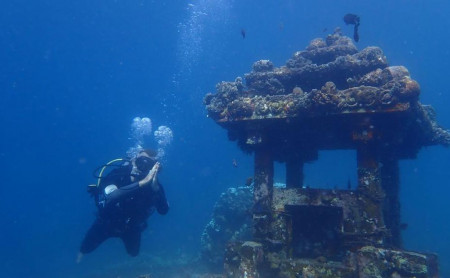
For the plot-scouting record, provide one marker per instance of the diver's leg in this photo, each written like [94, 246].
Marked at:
[96, 234]
[132, 241]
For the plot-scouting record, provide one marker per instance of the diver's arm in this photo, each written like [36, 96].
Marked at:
[121, 193]
[162, 206]
[126, 191]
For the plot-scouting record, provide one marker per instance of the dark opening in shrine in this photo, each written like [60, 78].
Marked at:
[316, 231]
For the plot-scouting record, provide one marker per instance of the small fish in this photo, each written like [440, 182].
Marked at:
[235, 164]
[353, 19]
[243, 33]
[249, 181]
[403, 226]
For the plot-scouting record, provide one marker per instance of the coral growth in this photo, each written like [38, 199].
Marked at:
[329, 77]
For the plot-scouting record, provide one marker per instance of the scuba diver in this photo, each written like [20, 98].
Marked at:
[125, 198]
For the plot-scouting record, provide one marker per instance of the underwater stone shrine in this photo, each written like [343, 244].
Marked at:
[329, 96]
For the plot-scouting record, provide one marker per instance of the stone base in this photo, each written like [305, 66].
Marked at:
[248, 259]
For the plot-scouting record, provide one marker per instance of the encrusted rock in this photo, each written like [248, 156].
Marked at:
[361, 80]
[378, 262]
[231, 221]
[321, 52]
[262, 66]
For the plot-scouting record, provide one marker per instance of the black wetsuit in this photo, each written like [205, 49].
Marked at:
[124, 212]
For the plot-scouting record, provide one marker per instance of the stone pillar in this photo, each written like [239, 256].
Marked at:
[243, 259]
[371, 191]
[294, 173]
[262, 193]
[369, 174]
[390, 181]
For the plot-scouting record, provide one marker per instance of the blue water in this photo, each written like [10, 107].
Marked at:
[73, 75]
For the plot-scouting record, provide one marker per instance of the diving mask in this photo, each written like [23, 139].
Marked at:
[145, 164]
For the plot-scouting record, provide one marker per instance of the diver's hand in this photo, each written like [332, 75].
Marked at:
[151, 176]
